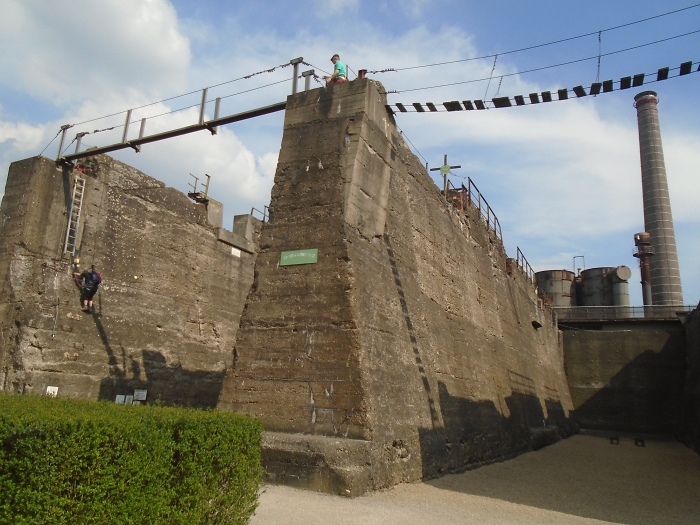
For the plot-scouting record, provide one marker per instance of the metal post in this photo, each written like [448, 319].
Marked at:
[217, 106]
[141, 131]
[201, 106]
[206, 187]
[126, 127]
[295, 62]
[444, 177]
[64, 128]
[78, 139]
[307, 78]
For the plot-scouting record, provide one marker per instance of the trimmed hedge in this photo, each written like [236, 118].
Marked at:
[65, 461]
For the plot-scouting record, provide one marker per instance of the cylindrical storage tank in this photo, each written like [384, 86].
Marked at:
[621, 291]
[597, 289]
[557, 284]
[665, 273]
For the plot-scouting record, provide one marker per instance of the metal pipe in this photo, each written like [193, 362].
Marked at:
[295, 62]
[202, 105]
[307, 78]
[78, 140]
[644, 253]
[64, 128]
[141, 131]
[217, 107]
[126, 126]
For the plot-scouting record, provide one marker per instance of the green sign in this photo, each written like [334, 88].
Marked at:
[299, 257]
[444, 169]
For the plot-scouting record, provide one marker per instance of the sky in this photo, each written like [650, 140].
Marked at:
[563, 178]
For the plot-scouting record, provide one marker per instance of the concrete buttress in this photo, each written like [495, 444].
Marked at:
[410, 348]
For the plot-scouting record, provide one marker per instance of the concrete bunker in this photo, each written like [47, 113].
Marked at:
[412, 346]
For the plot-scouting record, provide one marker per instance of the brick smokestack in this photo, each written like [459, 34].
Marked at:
[665, 274]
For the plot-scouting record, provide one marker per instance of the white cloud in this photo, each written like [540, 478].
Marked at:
[24, 137]
[65, 51]
[328, 8]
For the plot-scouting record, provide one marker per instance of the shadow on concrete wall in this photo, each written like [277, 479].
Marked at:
[172, 385]
[476, 433]
[646, 396]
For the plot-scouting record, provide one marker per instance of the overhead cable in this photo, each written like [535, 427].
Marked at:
[528, 48]
[175, 110]
[54, 138]
[550, 66]
[270, 70]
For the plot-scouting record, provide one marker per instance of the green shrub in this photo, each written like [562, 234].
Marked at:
[65, 461]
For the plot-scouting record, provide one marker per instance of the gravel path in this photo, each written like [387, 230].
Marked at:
[581, 480]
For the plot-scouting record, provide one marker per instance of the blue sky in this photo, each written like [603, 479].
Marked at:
[563, 178]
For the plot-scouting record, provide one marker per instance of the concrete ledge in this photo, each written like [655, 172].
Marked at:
[324, 464]
[235, 240]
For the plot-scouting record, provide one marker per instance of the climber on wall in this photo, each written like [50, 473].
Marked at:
[89, 282]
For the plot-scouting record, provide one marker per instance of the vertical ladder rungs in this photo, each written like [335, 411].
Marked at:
[74, 215]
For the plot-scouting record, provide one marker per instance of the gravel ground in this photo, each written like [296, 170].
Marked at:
[581, 480]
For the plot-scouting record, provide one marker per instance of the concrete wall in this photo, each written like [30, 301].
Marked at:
[626, 375]
[408, 349]
[167, 312]
[691, 405]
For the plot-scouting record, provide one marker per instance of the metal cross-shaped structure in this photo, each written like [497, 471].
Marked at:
[444, 170]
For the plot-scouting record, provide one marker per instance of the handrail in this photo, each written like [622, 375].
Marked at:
[462, 198]
[264, 213]
[582, 313]
[524, 265]
[484, 209]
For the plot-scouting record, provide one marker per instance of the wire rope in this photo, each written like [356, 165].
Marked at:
[569, 62]
[537, 46]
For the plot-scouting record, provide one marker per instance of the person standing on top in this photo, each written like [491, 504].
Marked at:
[89, 282]
[339, 71]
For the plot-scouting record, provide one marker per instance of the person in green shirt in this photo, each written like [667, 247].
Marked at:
[339, 72]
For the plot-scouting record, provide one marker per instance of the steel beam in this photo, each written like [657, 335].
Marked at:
[265, 110]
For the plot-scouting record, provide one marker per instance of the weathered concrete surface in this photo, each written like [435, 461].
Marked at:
[626, 375]
[691, 405]
[167, 313]
[408, 349]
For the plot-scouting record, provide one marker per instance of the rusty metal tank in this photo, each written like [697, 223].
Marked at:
[606, 286]
[558, 285]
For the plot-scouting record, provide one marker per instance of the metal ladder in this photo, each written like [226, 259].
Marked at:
[74, 217]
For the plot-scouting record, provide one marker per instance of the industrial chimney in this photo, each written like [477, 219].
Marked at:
[665, 275]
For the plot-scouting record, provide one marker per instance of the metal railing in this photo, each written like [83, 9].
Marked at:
[621, 312]
[466, 196]
[265, 214]
[201, 124]
[522, 263]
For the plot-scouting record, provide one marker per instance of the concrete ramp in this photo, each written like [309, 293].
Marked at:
[412, 346]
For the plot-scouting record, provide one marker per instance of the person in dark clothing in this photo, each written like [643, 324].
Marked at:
[89, 282]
